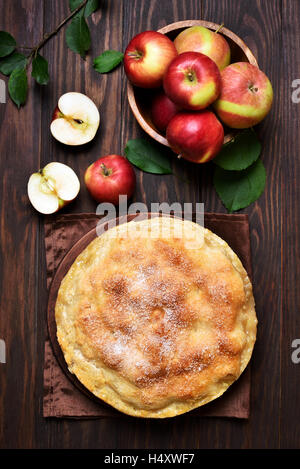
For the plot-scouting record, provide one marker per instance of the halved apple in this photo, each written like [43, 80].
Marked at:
[75, 120]
[52, 187]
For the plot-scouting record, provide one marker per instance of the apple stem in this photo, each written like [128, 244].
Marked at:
[219, 28]
[135, 55]
[105, 170]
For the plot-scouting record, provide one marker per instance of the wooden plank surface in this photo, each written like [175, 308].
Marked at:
[20, 145]
[267, 27]
[264, 39]
[290, 223]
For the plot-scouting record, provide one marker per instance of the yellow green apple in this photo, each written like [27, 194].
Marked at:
[210, 43]
[192, 81]
[147, 57]
[246, 96]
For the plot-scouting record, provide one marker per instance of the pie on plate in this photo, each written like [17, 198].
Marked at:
[156, 317]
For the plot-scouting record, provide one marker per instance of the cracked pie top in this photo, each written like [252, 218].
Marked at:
[156, 317]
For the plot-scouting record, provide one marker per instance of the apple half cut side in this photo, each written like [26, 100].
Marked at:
[75, 120]
[52, 187]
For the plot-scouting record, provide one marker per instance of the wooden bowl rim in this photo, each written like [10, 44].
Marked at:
[165, 30]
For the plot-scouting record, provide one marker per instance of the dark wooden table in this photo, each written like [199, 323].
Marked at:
[271, 28]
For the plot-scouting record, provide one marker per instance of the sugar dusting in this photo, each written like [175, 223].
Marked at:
[146, 331]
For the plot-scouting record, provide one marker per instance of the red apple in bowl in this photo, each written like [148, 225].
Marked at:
[147, 57]
[196, 136]
[246, 96]
[109, 177]
[192, 81]
[162, 111]
[200, 39]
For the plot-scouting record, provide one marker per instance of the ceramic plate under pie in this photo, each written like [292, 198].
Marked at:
[156, 317]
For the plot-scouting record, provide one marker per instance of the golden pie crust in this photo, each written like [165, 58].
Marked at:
[156, 317]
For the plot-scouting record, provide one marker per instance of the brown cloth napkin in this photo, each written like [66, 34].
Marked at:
[61, 397]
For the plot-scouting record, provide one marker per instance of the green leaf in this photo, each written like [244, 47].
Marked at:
[73, 4]
[12, 62]
[91, 6]
[240, 153]
[7, 44]
[17, 86]
[148, 156]
[238, 189]
[107, 61]
[78, 36]
[40, 70]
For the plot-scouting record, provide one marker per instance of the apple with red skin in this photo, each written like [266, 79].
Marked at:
[147, 58]
[192, 81]
[246, 96]
[210, 43]
[196, 136]
[162, 111]
[109, 177]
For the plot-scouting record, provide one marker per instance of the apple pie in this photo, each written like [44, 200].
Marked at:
[156, 317]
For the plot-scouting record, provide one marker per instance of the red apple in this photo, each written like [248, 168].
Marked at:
[200, 39]
[196, 136]
[147, 57]
[246, 96]
[162, 111]
[192, 81]
[109, 177]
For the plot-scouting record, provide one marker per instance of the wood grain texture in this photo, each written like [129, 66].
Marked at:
[260, 27]
[290, 227]
[269, 28]
[19, 148]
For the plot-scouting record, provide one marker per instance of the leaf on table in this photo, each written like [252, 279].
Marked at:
[73, 4]
[91, 6]
[240, 153]
[148, 157]
[17, 86]
[12, 62]
[238, 189]
[7, 44]
[40, 70]
[78, 36]
[107, 61]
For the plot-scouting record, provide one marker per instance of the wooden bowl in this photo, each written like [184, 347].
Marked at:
[140, 98]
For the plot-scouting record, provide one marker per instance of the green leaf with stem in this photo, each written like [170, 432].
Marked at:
[78, 36]
[90, 7]
[107, 61]
[238, 189]
[12, 62]
[240, 153]
[148, 156]
[17, 86]
[40, 70]
[7, 44]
